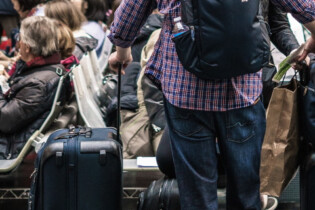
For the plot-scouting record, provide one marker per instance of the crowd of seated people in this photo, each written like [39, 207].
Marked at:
[97, 14]
[43, 45]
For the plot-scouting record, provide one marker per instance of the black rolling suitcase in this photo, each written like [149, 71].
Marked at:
[307, 127]
[162, 194]
[78, 169]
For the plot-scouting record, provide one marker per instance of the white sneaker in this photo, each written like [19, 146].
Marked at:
[264, 201]
[272, 203]
[268, 203]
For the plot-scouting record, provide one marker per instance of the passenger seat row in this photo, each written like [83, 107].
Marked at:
[87, 80]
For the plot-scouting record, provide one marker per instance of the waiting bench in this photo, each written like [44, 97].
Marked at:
[7, 166]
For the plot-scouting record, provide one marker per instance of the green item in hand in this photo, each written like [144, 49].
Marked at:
[285, 65]
[283, 68]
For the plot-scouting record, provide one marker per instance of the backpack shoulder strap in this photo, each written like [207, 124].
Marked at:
[57, 68]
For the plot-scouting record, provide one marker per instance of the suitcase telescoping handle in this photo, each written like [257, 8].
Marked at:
[120, 67]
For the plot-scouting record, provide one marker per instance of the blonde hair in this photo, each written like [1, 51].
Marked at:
[65, 12]
[40, 34]
[66, 40]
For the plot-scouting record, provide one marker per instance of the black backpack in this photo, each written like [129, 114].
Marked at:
[227, 38]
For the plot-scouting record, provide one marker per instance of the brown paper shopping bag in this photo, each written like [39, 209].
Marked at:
[280, 150]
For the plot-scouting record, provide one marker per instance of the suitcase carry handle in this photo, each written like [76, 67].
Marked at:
[83, 131]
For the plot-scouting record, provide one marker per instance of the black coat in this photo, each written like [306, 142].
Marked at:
[281, 34]
[282, 37]
[153, 23]
[25, 108]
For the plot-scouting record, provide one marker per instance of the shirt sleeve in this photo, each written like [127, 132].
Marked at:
[302, 10]
[128, 20]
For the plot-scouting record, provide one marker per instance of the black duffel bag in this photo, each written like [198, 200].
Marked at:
[162, 194]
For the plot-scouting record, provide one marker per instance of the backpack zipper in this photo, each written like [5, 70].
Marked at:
[192, 32]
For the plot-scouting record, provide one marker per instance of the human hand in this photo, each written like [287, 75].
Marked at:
[5, 63]
[3, 57]
[3, 72]
[16, 58]
[1, 69]
[299, 66]
[295, 56]
[309, 47]
[121, 56]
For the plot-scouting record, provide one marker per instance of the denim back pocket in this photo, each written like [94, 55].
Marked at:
[184, 123]
[240, 124]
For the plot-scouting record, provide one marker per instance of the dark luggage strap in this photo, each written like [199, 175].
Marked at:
[57, 68]
[304, 74]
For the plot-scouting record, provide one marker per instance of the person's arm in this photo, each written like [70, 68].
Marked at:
[123, 56]
[129, 18]
[310, 43]
[281, 34]
[304, 12]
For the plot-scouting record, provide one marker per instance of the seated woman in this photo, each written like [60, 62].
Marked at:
[66, 45]
[94, 11]
[71, 16]
[25, 106]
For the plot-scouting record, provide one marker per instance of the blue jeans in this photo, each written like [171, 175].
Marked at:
[193, 136]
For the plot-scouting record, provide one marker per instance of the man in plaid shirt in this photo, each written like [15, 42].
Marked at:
[199, 111]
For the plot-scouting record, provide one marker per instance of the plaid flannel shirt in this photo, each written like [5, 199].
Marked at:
[180, 87]
[302, 10]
